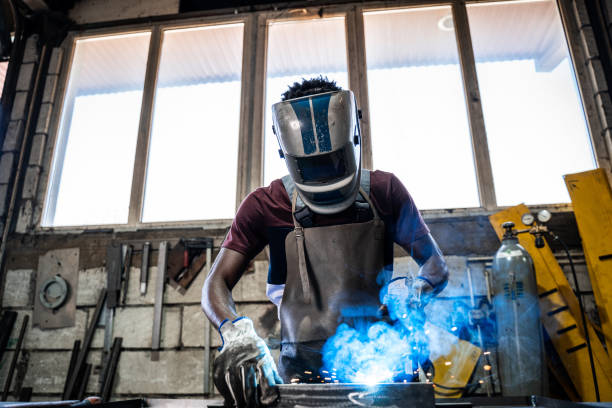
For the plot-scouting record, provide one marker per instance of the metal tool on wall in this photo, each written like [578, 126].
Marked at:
[159, 299]
[186, 260]
[144, 268]
[125, 271]
[113, 273]
[56, 285]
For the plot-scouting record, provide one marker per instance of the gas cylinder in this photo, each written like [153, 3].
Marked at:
[519, 335]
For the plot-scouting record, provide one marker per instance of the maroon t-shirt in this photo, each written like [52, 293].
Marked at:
[264, 217]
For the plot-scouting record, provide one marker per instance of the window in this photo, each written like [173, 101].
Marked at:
[194, 140]
[94, 156]
[296, 50]
[535, 125]
[419, 123]
[190, 132]
[130, 151]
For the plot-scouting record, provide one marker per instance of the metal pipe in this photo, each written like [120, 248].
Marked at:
[30, 124]
[9, 376]
[480, 341]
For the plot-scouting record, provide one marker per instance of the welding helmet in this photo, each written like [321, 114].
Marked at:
[319, 138]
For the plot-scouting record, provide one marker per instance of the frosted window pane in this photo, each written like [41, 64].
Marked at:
[418, 118]
[535, 124]
[94, 156]
[193, 152]
[322, 51]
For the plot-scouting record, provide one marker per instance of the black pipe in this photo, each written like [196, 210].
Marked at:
[582, 313]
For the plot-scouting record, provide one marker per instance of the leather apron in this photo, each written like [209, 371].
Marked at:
[331, 278]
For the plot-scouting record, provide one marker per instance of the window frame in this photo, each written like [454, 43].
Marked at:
[145, 121]
[252, 100]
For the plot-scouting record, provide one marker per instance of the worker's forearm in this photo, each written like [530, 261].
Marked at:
[435, 271]
[217, 301]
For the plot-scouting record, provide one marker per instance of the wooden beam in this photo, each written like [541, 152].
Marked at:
[358, 78]
[144, 128]
[480, 147]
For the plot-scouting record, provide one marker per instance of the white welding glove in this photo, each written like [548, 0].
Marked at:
[404, 294]
[244, 371]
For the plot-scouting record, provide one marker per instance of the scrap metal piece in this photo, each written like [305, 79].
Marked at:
[159, 299]
[63, 263]
[9, 376]
[84, 380]
[80, 364]
[111, 368]
[73, 358]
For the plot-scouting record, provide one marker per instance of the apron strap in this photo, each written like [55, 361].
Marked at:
[299, 238]
[366, 197]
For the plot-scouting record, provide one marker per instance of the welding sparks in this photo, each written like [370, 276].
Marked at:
[487, 367]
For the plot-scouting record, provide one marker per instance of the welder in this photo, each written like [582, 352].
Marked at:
[330, 226]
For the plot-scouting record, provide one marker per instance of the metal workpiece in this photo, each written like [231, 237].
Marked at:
[399, 395]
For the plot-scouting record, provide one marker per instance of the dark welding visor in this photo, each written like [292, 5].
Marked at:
[323, 168]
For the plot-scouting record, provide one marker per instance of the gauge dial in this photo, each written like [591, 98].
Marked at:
[544, 216]
[528, 219]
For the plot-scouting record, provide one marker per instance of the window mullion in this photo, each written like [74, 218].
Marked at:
[250, 150]
[482, 160]
[144, 128]
[358, 78]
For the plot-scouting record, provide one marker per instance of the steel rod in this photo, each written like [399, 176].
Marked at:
[9, 376]
[159, 299]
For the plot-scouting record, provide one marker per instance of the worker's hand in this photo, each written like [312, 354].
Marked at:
[244, 371]
[420, 293]
[402, 295]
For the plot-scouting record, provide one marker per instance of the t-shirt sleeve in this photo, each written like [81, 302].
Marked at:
[246, 235]
[409, 224]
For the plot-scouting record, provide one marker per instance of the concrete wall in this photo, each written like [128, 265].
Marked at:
[180, 370]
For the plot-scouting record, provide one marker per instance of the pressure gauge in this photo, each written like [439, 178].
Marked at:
[528, 219]
[544, 216]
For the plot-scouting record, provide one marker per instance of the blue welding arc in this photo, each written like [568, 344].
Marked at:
[302, 111]
[320, 106]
